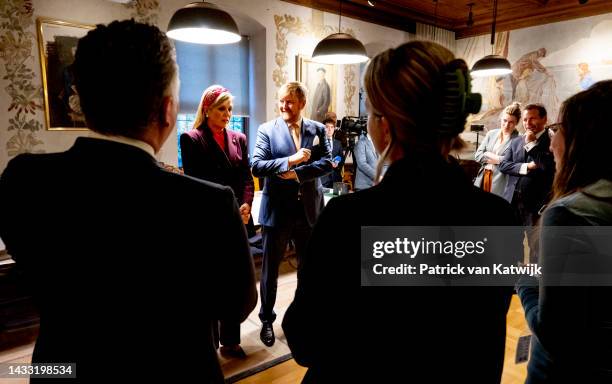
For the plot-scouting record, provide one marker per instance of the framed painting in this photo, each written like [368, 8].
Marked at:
[320, 79]
[57, 42]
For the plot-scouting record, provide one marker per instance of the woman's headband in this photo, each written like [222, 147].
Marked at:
[211, 97]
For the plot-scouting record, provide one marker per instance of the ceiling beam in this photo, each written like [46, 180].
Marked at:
[399, 20]
[538, 2]
[529, 19]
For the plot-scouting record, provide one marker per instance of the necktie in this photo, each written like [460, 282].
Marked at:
[295, 133]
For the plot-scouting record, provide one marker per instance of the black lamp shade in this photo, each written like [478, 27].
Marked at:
[203, 23]
[339, 48]
[491, 65]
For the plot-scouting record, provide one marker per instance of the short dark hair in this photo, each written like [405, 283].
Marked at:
[540, 107]
[122, 72]
[321, 69]
[329, 120]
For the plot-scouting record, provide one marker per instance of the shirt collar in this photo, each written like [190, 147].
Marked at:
[299, 123]
[125, 140]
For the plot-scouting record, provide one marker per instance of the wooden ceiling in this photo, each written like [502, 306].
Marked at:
[453, 14]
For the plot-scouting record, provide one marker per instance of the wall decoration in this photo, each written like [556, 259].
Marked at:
[320, 79]
[349, 89]
[144, 11]
[25, 97]
[284, 25]
[57, 42]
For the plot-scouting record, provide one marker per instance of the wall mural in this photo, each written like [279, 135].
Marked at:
[566, 58]
[144, 11]
[16, 43]
[287, 24]
[349, 89]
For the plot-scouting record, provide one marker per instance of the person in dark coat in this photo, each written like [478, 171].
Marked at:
[397, 334]
[568, 309]
[337, 155]
[117, 267]
[212, 152]
[530, 167]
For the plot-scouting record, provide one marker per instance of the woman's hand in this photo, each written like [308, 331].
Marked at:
[492, 158]
[245, 212]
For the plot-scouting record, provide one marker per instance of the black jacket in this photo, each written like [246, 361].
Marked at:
[398, 334]
[128, 263]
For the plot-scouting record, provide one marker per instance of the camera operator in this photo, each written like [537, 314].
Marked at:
[337, 155]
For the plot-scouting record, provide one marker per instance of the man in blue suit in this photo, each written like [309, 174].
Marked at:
[530, 165]
[291, 152]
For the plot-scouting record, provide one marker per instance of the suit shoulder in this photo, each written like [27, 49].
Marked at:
[191, 134]
[314, 123]
[493, 132]
[192, 186]
[34, 162]
[516, 141]
[267, 125]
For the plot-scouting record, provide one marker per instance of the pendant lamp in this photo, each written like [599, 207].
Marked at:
[203, 23]
[339, 48]
[492, 65]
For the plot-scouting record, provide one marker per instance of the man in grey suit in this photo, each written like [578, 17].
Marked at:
[291, 152]
[366, 159]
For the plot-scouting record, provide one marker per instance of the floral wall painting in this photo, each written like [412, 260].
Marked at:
[320, 79]
[57, 41]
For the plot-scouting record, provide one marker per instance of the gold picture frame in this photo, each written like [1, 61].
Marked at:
[57, 40]
[309, 73]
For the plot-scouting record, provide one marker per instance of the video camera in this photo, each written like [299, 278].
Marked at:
[353, 125]
[350, 127]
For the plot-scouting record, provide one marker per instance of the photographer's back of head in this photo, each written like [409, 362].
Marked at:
[127, 79]
[410, 96]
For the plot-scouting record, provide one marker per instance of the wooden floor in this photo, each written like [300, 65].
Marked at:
[291, 373]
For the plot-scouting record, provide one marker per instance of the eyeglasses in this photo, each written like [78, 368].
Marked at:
[553, 128]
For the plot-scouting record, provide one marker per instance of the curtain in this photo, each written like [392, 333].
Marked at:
[203, 65]
[438, 35]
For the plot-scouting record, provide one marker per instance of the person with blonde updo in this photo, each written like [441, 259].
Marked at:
[418, 99]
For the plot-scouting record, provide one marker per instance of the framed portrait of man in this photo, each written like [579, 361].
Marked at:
[57, 42]
[320, 79]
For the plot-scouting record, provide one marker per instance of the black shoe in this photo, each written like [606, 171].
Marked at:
[234, 351]
[267, 334]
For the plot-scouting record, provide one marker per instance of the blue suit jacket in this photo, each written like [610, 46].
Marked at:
[536, 185]
[271, 157]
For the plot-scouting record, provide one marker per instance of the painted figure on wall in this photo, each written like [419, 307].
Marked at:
[322, 97]
[530, 60]
[585, 79]
[521, 93]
